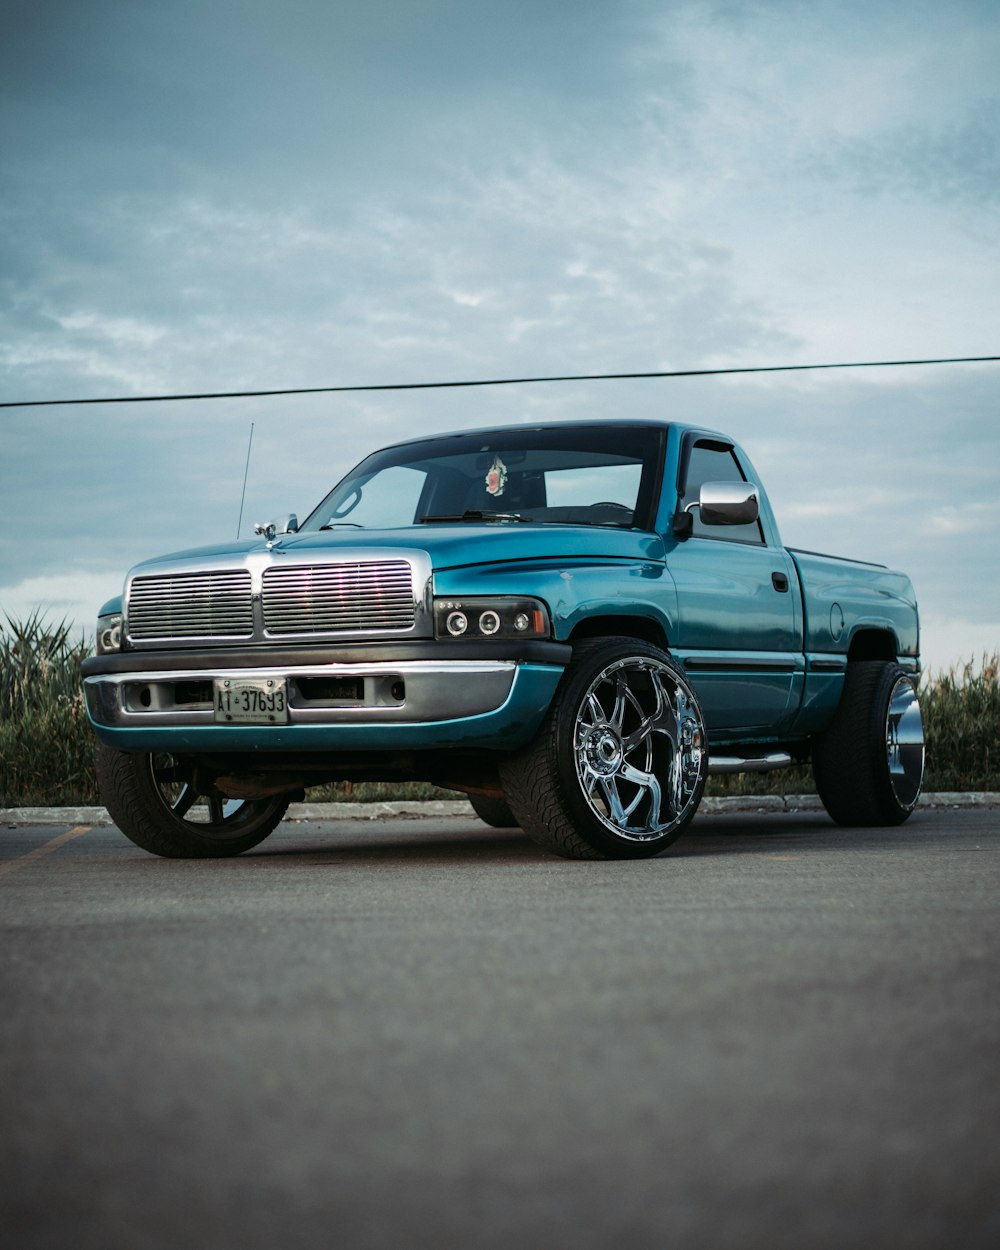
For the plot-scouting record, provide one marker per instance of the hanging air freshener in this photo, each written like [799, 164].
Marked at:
[496, 479]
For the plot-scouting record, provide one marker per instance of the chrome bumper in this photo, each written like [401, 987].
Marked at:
[411, 692]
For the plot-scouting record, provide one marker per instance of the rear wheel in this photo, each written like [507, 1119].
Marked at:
[618, 767]
[160, 802]
[494, 812]
[869, 765]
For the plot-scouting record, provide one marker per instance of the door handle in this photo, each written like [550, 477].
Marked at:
[780, 582]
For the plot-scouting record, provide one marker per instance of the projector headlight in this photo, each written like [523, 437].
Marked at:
[109, 633]
[500, 618]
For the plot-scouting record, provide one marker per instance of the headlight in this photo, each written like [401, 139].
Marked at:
[491, 618]
[109, 633]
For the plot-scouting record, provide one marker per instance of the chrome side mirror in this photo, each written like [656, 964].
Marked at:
[720, 503]
[727, 503]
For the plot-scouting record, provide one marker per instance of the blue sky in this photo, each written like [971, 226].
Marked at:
[244, 195]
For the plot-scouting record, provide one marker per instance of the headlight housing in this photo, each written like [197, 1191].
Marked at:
[501, 618]
[109, 633]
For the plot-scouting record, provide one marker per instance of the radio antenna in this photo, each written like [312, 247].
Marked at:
[245, 472]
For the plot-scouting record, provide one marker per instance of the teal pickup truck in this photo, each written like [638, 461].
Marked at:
[574, 623]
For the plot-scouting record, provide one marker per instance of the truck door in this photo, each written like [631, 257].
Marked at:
[739, 609]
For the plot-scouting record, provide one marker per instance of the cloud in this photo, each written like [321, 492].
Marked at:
[74, 596]
[971, 518]
[955, 164]
[947, 641]
[335, 194]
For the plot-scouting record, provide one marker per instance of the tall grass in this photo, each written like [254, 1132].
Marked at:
[46, 746]
[961, 711]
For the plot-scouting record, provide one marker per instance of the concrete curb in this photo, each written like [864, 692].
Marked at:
[437, 809]
[811, 802]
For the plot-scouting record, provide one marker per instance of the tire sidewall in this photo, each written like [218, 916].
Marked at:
[851, 760]
[494, 812]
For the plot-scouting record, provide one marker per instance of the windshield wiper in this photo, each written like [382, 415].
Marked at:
[473, 514]
[604, 525]
[332, 525]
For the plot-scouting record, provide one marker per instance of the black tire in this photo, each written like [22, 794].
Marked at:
[869, 764]
[618, 766]
[158, 802]
[493, 812]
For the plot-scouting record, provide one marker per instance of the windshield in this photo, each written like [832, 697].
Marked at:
[573, 475]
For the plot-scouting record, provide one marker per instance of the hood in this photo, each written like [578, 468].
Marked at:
[448, 545]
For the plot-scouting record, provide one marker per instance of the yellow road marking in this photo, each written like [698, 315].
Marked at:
[45, 849]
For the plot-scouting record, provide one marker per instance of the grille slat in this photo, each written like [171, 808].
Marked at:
[331, 598]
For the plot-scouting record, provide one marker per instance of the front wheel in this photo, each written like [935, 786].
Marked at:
[618, 767]
[869, 765]
[161, 803]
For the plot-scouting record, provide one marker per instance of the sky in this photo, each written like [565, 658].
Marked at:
[247, 195]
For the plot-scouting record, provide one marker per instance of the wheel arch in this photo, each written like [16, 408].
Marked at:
[873, 644]
[643, 628]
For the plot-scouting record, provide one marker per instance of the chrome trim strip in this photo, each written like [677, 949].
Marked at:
[837, 664]
[705, 664]
[390, 651]
[308, 670]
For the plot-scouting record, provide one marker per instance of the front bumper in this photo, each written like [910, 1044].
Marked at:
[415, 696]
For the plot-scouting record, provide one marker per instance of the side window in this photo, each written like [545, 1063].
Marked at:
[715, 462]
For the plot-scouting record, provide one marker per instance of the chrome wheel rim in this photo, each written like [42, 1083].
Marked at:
[904, 743]
[639, 749]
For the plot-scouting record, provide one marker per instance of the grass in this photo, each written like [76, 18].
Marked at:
[46, 746]
[961, 711]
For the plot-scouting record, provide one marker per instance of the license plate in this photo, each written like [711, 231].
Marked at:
[251, 701]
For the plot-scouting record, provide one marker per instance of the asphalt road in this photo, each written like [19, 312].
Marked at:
[429, 1034]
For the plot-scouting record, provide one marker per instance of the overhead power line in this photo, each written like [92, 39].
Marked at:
[430, 386]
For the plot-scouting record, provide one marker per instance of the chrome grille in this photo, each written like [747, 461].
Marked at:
[331, 598]
[191, 605]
